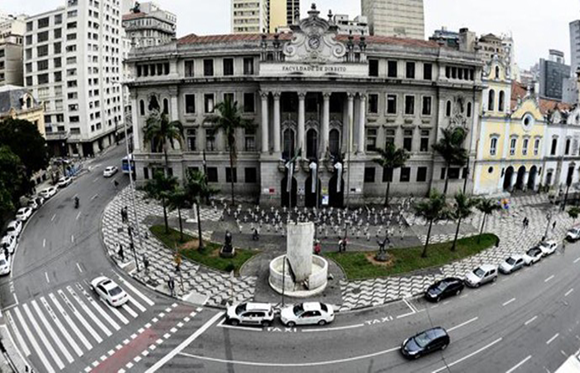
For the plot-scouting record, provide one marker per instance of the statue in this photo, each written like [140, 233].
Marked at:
[382, 255]
[228, 250]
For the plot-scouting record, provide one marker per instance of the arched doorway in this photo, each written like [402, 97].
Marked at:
[289, 199]
[336, 197]
[311, 144]
[507, 178]
[289, 143]
[520, 179]
[532, 178]
[311, 197]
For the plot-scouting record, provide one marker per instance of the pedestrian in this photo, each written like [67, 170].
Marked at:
[116, 183]
[146, 264]
[554, 226]
[524, 223]
[340, 245]
[171, 284]
[121, 253]
[317, 247]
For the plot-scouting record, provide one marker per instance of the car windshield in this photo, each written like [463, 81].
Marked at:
[510, 260]
[2, 262]
[298, 309]
[442, 286]
[323, 307]
[479, 272]
[115, 291]
[422, 340]
[241, 308]
[533, 251]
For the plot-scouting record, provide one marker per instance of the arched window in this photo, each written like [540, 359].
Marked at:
[288, 144]
[497, 72]
[501, 101]
[491, 101]
[311, 143]
[141, 107]
[153, 104]
[28, 103]
[165, 106]
[334, 142]
[469, 109]
[448, 109]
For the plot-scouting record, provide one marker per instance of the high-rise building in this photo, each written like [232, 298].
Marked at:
[401, 18]
[11, 35]
[357, 26]
[73, 63]
[282, 13]
[147, 25]
[256, 16]
[555, 78]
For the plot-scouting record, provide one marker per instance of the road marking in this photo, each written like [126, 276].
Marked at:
[134, 290]
[53, 217]
[47, 279]
[60, 327]
[184, 344]
[552, 339]
[15, 299]
[98, 308]
[43, 338]
[549, 278]
[52, 333]
[519, 364]
[19, 338]
[96, 179]
[462, 324]
[332, 329]
[78, 216]
[116, 312]
[577, 260]
[568, 292]
[79, 267]
[80, 317]
[95, 196]
[44, 242]
[89, 312]
[509, 301]
[72, 238]
[128, 309]
[449, 365]
[530, 320]
[408, 303]
[137, 304]
[33, 341]
[69, 321]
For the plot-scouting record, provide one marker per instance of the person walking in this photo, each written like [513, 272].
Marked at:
[554, 226]
[146, 264]
[317, 247]
[171, 285]
[120, 252]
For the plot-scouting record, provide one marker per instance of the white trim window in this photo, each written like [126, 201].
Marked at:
[537, 147]
[493, 146]
[525, 146]
[513, 145]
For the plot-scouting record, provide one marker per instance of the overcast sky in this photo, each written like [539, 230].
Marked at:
[536, 25]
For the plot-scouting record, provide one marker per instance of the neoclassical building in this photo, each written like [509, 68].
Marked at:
[336, 97]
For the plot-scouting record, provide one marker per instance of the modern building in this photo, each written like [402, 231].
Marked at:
[357, 26]
[446, 37]
[282, 13]
[555, 82]
[147, 25]
[336, 97]
[19, 103]
[72, 63]
[11, 50]
[255, 16]
[491, 45]
[400, 18]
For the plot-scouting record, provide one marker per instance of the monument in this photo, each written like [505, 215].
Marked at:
[299, 273]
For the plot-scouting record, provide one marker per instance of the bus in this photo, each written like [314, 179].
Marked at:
[125, 164]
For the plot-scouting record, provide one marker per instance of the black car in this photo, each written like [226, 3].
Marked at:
[425, 342]
[444, 288]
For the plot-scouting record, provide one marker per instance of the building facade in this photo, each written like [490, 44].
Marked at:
[357, 26]
[250, 16]
[19, 103]
[555, 82]
[72, 62]
[401, 18]
[148, 25]
[11, 49]
[336, 97]
[282, 13]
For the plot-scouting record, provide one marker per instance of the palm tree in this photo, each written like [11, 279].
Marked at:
[229, 120]
[160, 188]
[391, 158]
[450, 147]
[177, 200]
[461, 209]
[159, 130]
[432, 209]
[487, 207]
[197, 190]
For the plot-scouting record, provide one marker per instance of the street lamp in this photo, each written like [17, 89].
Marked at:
[549, 217]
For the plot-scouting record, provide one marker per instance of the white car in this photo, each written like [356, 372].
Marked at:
[63, 182]
[308, 313]
[4, 265]
[110, 171]
[8, 242]
[573, 234]
[250, 314]
[481, 275]
[24, 213]
[511, 264]
[548, 247]
[109, 291]
[48, 192]
[533, 255]
[14, 228]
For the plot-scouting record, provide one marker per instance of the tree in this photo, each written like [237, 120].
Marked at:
[159, 130]
[432, 209]
[229, 120]
[574, 212]
[461, 209]
[14, 181]
[450, 147]
[160, 188]
[24, 140]
[487, 207]
[391, 158]
[197, 190]
[177, 200]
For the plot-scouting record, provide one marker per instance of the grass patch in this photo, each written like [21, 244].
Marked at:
[357, 265]
[209, 256]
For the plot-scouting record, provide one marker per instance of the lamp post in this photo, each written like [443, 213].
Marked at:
[549, 217]
[130, 231]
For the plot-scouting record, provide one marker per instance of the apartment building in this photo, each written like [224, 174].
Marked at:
[148, 25]
[11, 35]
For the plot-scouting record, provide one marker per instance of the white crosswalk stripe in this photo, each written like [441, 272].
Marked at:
[137, 304]
[128, 309]
[43, 338]
[89, 312]
[134, 290]
[69, 321]
[19, 338]
[52, 333]
[33, 341]
[61, 327]
[116, 312]
[80, 317]
[98, 308]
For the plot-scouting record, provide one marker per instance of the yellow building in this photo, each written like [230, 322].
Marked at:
[283, 13]
[18, 103]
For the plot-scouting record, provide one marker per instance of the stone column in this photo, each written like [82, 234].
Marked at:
[325, 122]
[277, 122]
[264, 124]
[135, 124]
[301, 122]
[525, 181]
[348, 127]
[174, 108]
[513, 180]
[361, 124]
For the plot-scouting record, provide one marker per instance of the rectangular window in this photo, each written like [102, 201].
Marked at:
[392, 69]
[369, 174]
[29, 26]
[424, 146]
[493, 146]
[454, 173]
[513, 144]
[427, 71]
[42, 65]
[371, 139]
[373, 67]
[208, 103]
[249, 103]
[525, 147]
[426, 110]
[537, 147]
[58, 76]
[387, 175]
[43, 79]
[405, 174]
[145, 173]
[210, 144]
[43, 22]
[191, 140]
[190, 104]
[409, 105]
[58, 19]
[42, 36]
[410, 72]
[228, 66]
[250, 139]
[208, 67]
[212, 175]
[248, 66]
[390, 136]
[189, 69]
[408, 140]
[42, 51]
[230, 174]
[391, 104]
[421, 174]
[251, 175]
[57, 33]
[373, 104]
[57, 48]
[567, 149]
[554, 147]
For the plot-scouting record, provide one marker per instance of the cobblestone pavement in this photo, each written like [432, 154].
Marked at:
[200, 284]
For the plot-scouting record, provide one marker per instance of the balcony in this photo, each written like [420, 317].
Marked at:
[57, 135]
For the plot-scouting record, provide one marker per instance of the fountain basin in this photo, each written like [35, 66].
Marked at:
[315, 284]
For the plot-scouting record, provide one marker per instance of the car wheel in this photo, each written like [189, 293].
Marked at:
[291, 324]
[494, 279]
[235, 322]
[322, 322]
[265, 323]
[458, 292]
[443, 347]
[476, 285]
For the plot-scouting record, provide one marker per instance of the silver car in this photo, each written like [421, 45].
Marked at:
[481, 275]
[512, 264]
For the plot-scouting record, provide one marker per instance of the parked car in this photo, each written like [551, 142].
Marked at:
[109, 291]
[63, 182]
[8, 242]
[548, 247]
[533, 255]
[512, 264]
[4, 265]
[110, 171]
[573, 234]
[14, 228]
[481, 275]
[33, 204]
[48, 192]
[23, 213]
[444, 288]
[425, 342]
[250, 314]
[307, 313]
